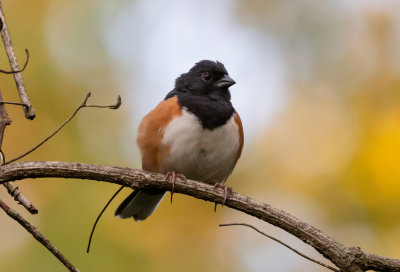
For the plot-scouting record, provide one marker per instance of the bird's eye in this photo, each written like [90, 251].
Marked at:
[206, 76]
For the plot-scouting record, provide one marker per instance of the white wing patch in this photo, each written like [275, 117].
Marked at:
[198, 153]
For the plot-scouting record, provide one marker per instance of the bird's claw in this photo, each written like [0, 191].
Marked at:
[227, 190]
[173, 176]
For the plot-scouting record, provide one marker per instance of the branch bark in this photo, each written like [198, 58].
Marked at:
[29, 111]
[347, 259]
[38, 236]
[4, 121]
[20, 198]
[11, 189]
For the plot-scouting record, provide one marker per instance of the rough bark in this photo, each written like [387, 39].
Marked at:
[345, 258]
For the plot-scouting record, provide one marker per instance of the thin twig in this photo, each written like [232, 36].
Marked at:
[18, 71]
[13, 103]
[282, 243]
[37, 235]
[100, 214]
[18, 196]
[29, 111]
[83, 105]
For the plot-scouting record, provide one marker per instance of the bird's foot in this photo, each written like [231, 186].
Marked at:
[227, 190]
[173, 176]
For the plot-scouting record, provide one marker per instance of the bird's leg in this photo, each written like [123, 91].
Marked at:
[173, 176]
[227, 190]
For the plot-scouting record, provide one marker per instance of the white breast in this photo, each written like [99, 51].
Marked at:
[198, 153]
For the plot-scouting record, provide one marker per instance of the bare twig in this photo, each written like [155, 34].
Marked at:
[282, 243]
[29, 111]
[345, 258]
[18, 196]
[112, 107]
[100, 214]
[18, 71]
[83, 105]
[13, 191]
[13, 103]
[37, 235]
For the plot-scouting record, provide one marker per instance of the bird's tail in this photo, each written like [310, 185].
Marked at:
[139, 205]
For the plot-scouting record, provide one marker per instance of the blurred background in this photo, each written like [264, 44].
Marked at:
[318, 90]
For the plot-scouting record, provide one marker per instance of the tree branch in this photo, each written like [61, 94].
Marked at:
[29, 111]
[347, 259]
[11, 189]
[37, 235]
[4, 121]
[20, 198]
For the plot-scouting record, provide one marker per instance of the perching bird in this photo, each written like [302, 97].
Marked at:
[194, 132]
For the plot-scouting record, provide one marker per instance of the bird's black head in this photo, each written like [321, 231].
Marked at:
[203, 91]
[206, 77]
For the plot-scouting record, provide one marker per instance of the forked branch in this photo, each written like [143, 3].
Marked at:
[5, 35]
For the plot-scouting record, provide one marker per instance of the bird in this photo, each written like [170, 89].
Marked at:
[194, 133]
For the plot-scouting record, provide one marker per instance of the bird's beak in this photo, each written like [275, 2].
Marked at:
[225, 82]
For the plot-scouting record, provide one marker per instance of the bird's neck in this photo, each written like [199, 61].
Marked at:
[212, 110]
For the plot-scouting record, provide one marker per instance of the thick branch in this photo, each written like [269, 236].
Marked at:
[346, 258]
